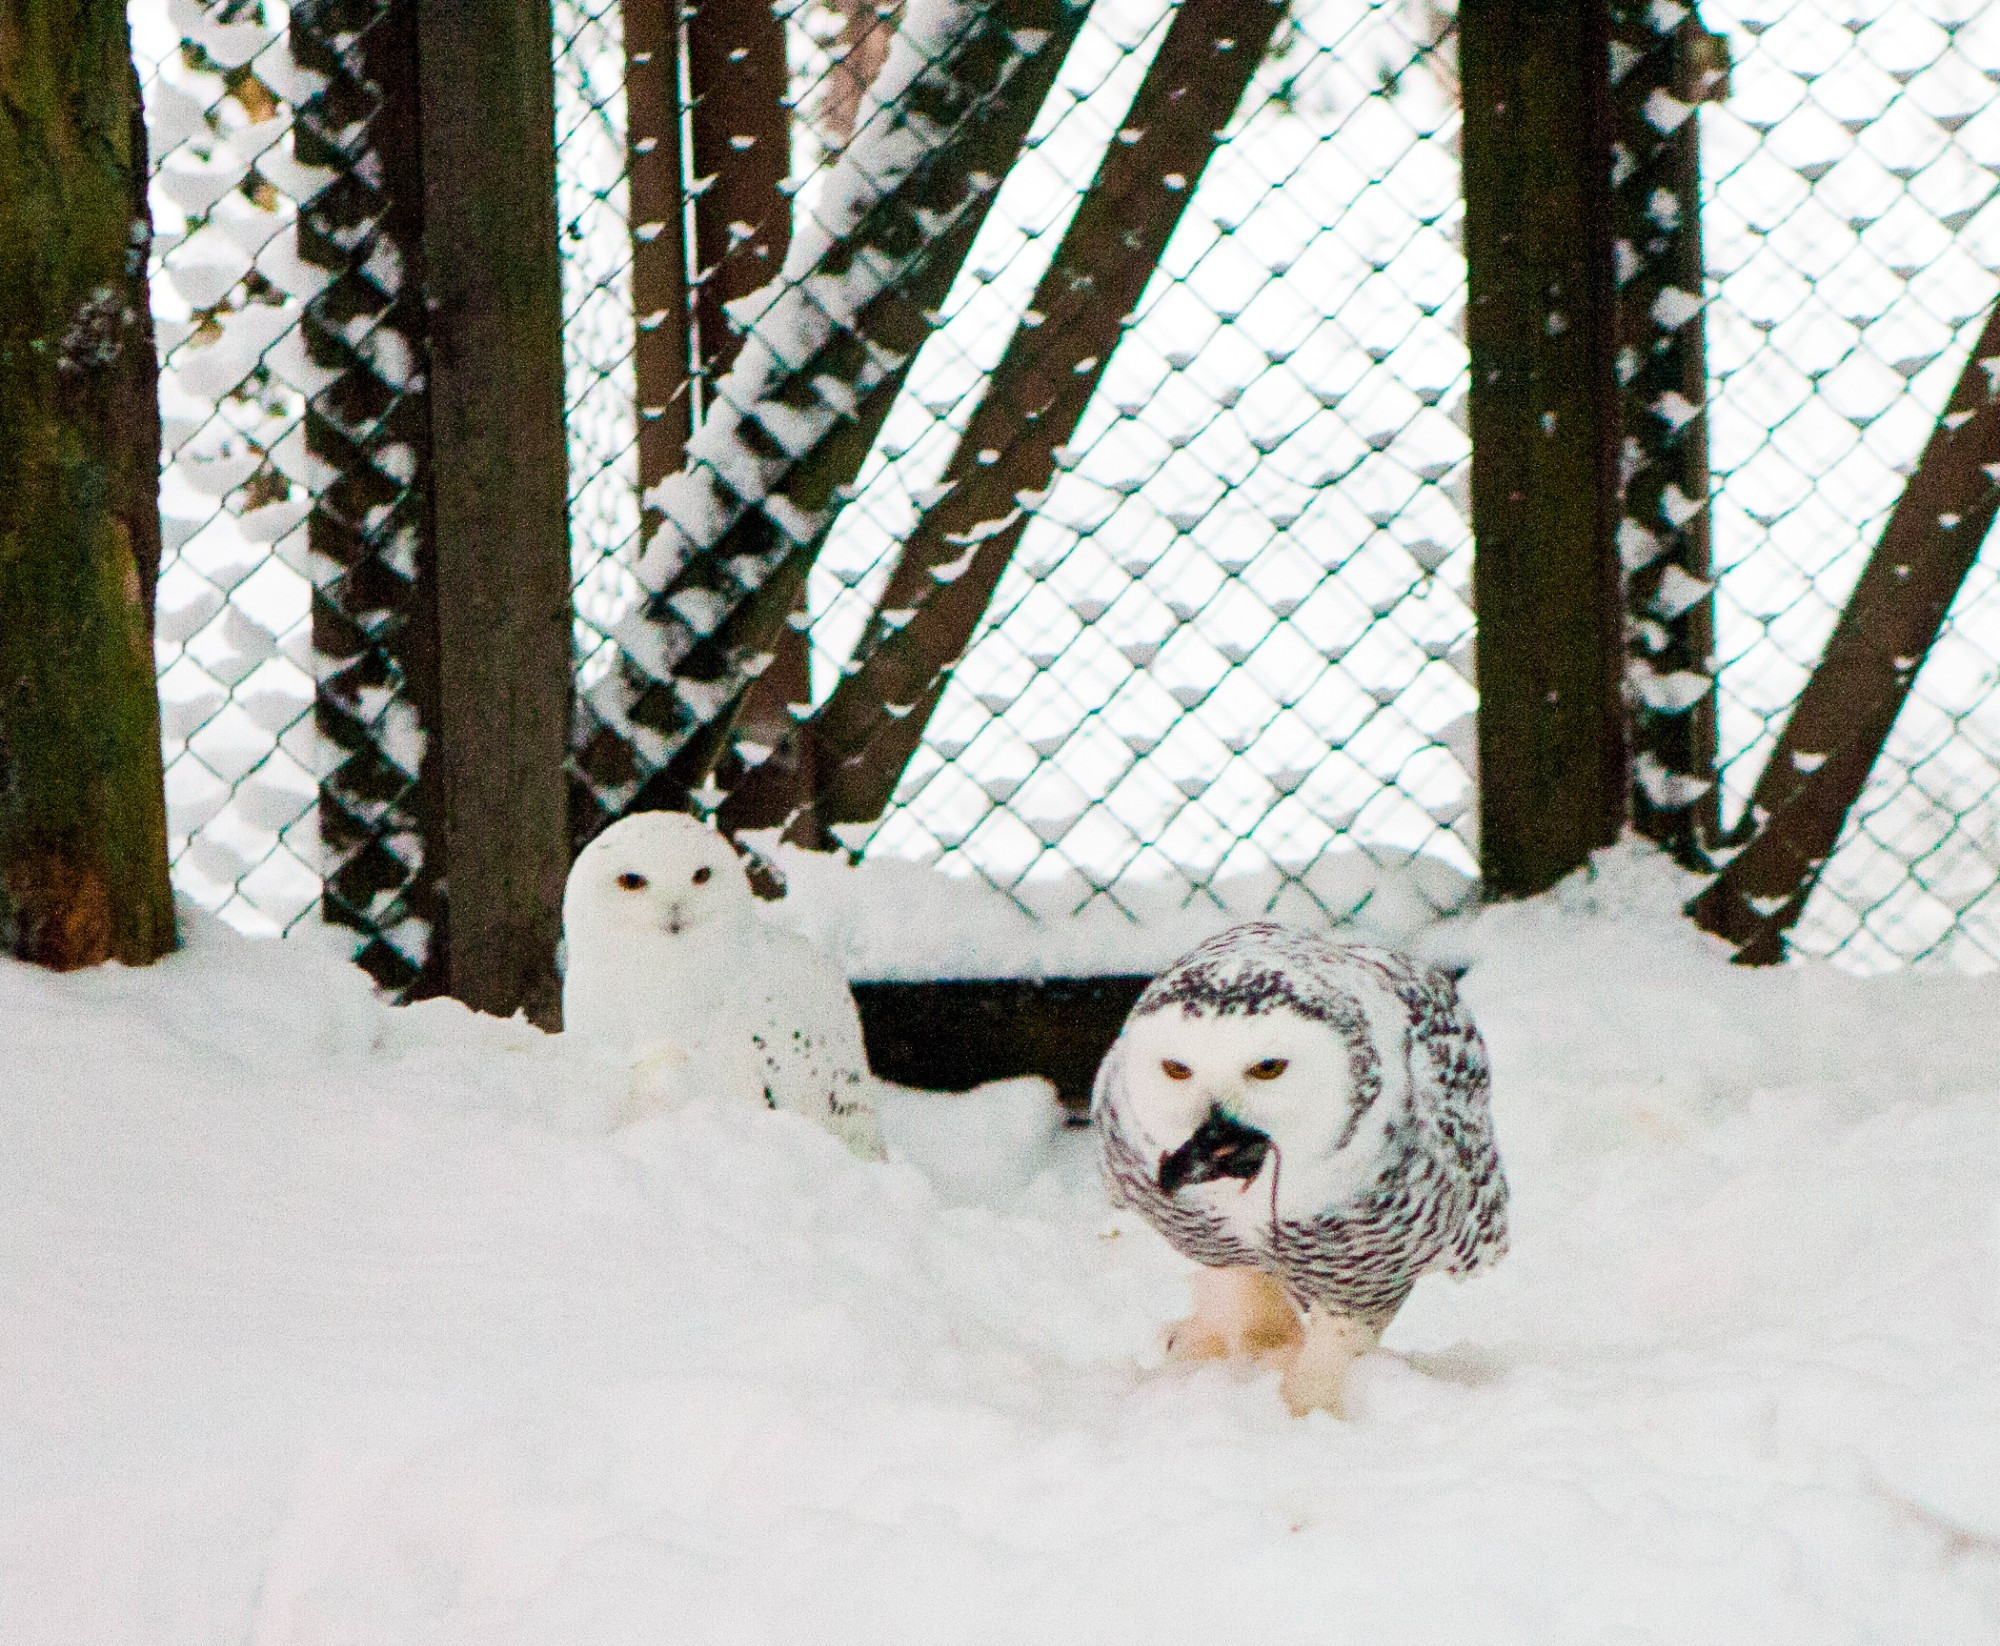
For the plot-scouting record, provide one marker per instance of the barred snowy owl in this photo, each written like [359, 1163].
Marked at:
[1310, 1120]
[671, 973]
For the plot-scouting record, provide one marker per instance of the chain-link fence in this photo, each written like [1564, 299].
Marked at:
[1853, 243]
[1195, 621]
[236, 656]
[292, 659]
[1232, 639]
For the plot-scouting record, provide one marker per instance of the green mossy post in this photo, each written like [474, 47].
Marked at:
[1544, 404]
[83, 831]
[500, 494]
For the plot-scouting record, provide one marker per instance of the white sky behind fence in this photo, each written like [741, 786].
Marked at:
[1237, 636]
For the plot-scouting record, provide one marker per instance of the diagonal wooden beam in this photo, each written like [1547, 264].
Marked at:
[1843, 717]
[855, 746]
[717, 616]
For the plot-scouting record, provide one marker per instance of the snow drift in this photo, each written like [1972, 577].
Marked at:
[326, 1323]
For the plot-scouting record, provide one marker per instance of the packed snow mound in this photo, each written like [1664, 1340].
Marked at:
[890, 918]
[324, 1323]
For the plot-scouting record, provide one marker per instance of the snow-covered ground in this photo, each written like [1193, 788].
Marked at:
[323, 1322]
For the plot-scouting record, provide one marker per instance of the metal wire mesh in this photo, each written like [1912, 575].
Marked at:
[290, 643]
[1232, 648]
[1224, 646]
[599, 322]
[1235, 636]
[229, 293]
[1853, 244]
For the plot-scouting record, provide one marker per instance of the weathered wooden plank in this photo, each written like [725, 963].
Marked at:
[494, 297]
[1544, 415]
[1844, 716]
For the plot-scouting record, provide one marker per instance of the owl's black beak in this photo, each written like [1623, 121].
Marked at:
[1221, 1147]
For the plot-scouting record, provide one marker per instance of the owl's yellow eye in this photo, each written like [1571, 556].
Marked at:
[1175, 1070]
[632, 881]
[1269, 1069]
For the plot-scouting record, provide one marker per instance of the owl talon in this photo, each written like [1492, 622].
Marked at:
[1195, 1339]
[1239, 1314]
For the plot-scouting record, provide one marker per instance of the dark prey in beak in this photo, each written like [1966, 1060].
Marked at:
[1220, 1147]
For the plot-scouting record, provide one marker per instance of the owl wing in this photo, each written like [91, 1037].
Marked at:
[808, 1041]
[1451, 1105]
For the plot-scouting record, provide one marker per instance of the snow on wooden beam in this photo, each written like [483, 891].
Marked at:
[1843, 717]
[952, 563]
[826, 349]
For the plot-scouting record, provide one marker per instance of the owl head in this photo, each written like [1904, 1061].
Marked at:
[654, 873]
[1215, 1093]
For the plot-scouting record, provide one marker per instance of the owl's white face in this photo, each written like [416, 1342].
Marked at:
[1273, 1072]
[654, 872]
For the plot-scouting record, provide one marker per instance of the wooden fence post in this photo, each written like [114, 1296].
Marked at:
[740, 130]
[500, 493]
[1544, 409]
[662, 356]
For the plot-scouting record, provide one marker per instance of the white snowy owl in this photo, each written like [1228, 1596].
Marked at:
[671, 972]
[1310, 1120]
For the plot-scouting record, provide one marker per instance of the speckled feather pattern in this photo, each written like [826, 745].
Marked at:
[1437, 1199]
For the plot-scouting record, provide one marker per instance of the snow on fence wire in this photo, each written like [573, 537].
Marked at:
[229, 293]
[1853, 250]
[1210, 637]
[1215, 629]
[291, 484]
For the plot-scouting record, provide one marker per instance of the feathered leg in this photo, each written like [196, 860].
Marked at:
[1317, 1376]
[1237, 1312]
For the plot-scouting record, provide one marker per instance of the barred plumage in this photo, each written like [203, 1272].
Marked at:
[1344, 1084]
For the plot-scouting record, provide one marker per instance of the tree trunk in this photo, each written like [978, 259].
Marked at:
[83, 833]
